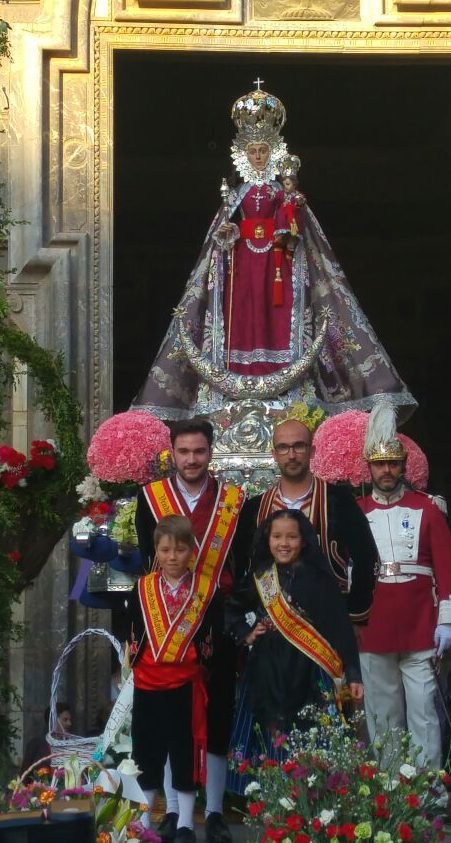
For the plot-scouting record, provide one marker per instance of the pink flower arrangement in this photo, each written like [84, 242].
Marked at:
[125, 448]
[338, 453]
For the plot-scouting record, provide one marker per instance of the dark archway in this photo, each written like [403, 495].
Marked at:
[375, 141]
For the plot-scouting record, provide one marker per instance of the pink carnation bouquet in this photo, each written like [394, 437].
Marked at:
[338, 453]
[129, 447]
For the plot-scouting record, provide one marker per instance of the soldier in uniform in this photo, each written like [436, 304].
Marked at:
[410, 621]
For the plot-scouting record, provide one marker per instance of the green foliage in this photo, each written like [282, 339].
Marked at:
[33, 517]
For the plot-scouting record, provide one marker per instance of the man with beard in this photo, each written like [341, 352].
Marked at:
[407, 628]
[343, 532]
[212, 508]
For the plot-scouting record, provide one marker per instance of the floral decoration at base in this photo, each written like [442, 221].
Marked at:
[332, 787]
[115, 796]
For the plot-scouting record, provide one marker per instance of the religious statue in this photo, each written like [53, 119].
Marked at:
[267, 312]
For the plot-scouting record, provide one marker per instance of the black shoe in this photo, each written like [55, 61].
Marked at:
[185, 835]
[216, 831]
[168, 827]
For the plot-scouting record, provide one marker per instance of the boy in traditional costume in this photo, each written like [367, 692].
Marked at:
[175, 618]
[213, 508]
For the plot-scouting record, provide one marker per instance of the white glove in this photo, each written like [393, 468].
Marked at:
[442, 638]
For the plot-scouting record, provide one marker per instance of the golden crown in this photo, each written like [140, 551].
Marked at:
[381, 442]
[258, 115]
[383, 451]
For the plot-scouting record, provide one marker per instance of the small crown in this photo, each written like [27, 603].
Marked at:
[258, 111]
[290, 166]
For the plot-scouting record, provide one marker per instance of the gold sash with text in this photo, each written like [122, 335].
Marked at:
[294, 627]
[169, 640]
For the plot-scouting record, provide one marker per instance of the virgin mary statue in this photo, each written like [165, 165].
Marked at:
[267, 311]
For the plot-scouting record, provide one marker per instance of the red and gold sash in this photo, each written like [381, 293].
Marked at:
[169, 640]
[299, 632]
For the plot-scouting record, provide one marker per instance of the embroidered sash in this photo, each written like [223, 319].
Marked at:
[299, 632]
[169, 640]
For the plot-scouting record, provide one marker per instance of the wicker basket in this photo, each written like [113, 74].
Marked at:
[63, 748]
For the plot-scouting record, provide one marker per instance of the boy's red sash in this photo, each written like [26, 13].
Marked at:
[294, 627]
[168, 640]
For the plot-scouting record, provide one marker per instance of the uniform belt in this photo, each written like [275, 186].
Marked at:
[257, 229]
[394, 569]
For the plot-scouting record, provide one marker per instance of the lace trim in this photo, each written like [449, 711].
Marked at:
[256, 248]
[260, 355]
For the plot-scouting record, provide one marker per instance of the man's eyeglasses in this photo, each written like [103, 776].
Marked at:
[297, 447]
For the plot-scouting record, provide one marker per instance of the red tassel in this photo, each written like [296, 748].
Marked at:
[277, 292]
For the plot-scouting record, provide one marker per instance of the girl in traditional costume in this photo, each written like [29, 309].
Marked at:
[291, 615]
[265, 282]
[171, 642]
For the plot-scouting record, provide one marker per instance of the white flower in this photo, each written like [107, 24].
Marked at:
[407, 771]
[84, 525]
[89, 490]
[286, 803]
[326, 817]
[252, 787]
[128, 767]
[123, 744]
[312, 779]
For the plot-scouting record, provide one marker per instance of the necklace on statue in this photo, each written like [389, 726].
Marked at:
[257, 198]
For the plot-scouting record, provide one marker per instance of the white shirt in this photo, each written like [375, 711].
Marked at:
[190, 499]
[297, 502]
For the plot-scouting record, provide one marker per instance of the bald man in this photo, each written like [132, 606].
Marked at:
[343, 531]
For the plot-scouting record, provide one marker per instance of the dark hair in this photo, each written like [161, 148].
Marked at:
[60, 707]
[195, 425]
[177, 526]
[311, 552]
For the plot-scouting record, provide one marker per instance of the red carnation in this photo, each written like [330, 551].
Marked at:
[289, 766]
[270, 762]
[256, 808]
[331, 831]
[316, 824]
[347, 830]
[11, 456]
[14, 556]
[380, 800]
[412, 800]
[367, 771]
[243, 767]
[275, 834]
[405, 832]
[302, 838]
[295, 822]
